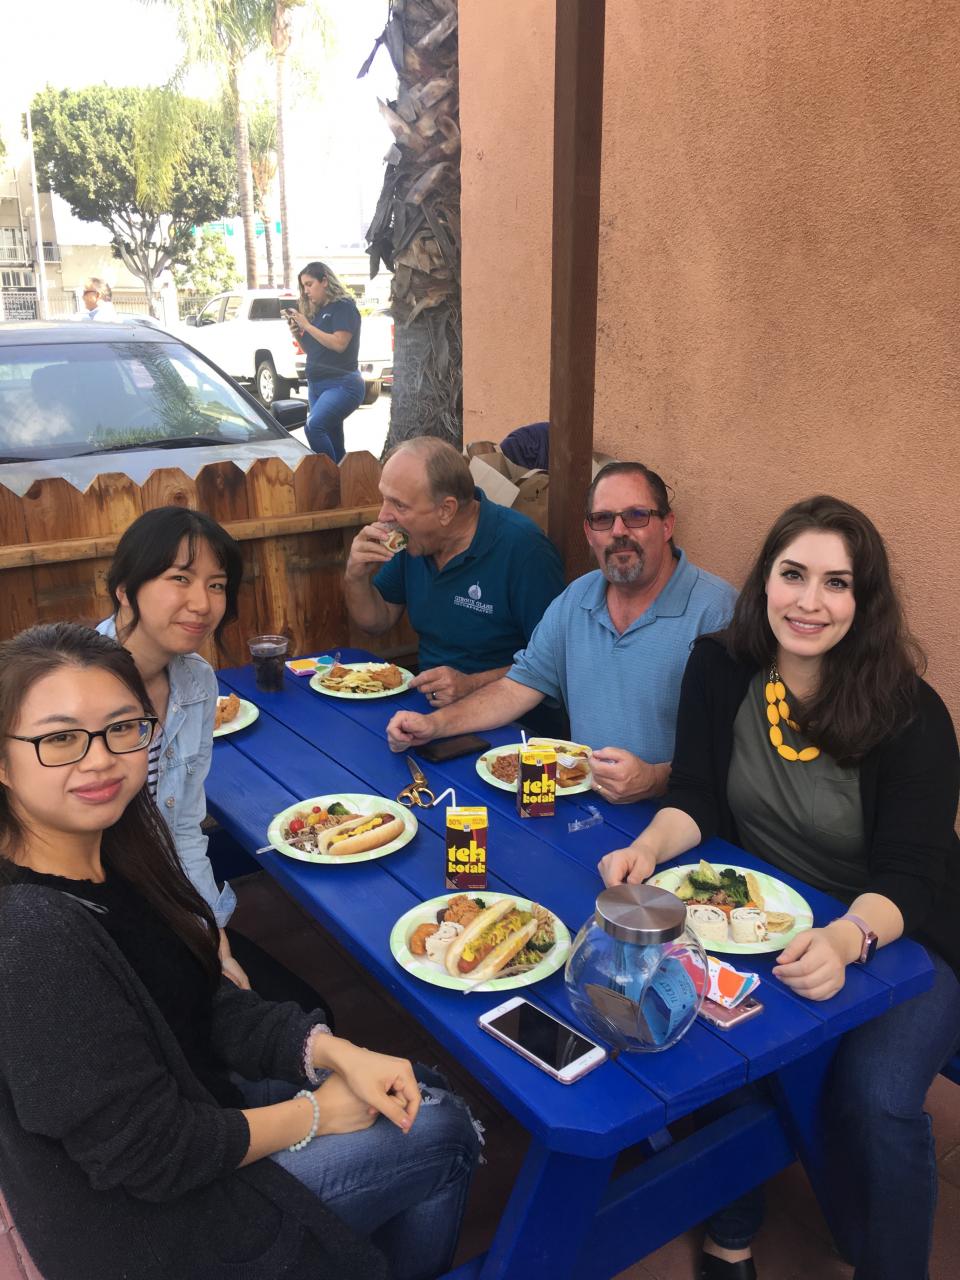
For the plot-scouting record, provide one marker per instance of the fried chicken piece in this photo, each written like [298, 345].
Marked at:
[461, 910]
[389, 676]
[226, 711]
[418, 939]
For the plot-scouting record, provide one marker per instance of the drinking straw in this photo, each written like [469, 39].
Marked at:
[443, 795]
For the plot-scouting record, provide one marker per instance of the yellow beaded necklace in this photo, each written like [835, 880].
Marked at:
[778, 709]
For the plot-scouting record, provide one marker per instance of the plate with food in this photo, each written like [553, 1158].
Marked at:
[499, 765]
[362, 680]
[480, 941]
[233, 713]
[735, 910]
[349, 827]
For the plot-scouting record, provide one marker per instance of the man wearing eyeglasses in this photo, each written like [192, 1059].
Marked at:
[612, 646]
[97, 303]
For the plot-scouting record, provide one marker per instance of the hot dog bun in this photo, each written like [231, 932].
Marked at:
[500, 954]
[360, 835]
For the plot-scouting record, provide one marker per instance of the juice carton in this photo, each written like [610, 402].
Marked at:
[537, 782]
[467, 847]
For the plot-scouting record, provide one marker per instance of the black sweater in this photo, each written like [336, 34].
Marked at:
[908, 789]
[116, 1161]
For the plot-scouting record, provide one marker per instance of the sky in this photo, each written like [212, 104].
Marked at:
[336, 141]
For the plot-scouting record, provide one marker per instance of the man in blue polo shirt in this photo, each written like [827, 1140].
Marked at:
[613, 646]
[474, 577]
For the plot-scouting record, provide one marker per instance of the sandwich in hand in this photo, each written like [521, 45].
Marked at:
[396, 541]
[360, 835]
[491, 941]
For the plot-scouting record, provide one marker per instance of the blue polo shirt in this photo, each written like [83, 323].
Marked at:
[335, 317]
[484, 604]
[623, 690]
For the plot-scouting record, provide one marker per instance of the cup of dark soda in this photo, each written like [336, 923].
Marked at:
[269, 654]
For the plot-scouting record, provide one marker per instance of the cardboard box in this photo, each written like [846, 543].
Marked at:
[504, 482]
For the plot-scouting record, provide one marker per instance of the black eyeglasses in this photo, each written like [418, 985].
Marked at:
[67, 746]
[632, 517]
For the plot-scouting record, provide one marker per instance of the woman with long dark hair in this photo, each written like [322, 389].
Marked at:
[806, 735]
[327, 326]
[155, 1120]
[174, 583]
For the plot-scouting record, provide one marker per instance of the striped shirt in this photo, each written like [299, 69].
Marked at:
[153, 760]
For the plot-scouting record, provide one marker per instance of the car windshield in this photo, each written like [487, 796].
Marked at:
[61, 399]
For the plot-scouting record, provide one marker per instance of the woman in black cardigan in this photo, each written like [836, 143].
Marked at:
[155, 1120]
[806, 736]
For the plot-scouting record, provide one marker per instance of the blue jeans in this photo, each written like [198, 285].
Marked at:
[331, 400]
[878, 1137]
[406, 1192]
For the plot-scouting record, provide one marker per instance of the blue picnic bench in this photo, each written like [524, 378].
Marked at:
[566, 1211]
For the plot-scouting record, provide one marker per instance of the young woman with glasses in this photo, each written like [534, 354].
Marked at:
[806, 736]
[174, 582]
[156, 1120]
[327, 326]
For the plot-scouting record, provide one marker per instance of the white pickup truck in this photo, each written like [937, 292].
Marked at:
[244, 333]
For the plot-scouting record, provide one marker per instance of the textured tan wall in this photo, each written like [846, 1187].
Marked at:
[779, 283]
[506, 114]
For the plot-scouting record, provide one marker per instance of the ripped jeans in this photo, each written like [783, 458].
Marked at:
[405, 1192]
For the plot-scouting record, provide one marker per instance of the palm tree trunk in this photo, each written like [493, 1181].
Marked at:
[281, 42]
[416, 228]
[244, 179]
[268, 245]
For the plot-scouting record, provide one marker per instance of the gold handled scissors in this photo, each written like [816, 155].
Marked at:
[418, 792]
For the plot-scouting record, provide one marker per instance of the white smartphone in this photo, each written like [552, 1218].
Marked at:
[543, 1039]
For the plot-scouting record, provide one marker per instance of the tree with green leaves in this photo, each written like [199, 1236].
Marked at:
[87, 145]
[207, 266]
[223, 34]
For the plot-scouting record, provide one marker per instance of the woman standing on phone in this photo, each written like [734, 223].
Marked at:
[174, 582]
[155, 1120]
[806, 736]
[327, 326]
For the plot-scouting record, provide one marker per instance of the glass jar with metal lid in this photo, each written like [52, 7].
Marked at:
[636, 975]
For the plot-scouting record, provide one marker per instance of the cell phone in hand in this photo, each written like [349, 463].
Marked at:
[453, 748]
[542, 1039]
[719, 1016]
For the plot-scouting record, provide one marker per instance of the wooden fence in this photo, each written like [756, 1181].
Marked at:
[294, 529]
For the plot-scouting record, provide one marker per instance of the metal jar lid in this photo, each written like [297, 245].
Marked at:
[640, 913]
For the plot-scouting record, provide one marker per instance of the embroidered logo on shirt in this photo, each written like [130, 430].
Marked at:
[472, 600]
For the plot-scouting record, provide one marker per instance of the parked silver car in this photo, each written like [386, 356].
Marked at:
[77, 400]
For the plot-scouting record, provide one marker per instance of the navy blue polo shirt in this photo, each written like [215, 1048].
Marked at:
[483, 605]
[333, 318]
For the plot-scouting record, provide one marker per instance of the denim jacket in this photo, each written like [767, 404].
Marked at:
[183, 768]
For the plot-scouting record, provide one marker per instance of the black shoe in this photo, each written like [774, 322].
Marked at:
[713, 1268]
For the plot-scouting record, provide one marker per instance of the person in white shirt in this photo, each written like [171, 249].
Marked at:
[97, 303]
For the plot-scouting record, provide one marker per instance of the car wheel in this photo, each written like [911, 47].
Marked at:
[268, 385]
[371, 392]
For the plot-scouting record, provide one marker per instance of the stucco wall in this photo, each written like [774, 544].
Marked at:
[779, 284]
[506, 114]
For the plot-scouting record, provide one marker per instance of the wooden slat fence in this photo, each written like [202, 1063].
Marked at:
[294, 528]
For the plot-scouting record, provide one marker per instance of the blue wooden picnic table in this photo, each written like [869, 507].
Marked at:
[565, 1210]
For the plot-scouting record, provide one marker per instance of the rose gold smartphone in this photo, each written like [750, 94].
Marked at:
[718, 1016]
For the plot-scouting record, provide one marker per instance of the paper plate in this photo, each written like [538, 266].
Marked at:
[361, 697]
[357, 803]
[429, 971]
[511, 749]
[244, 717]
[777, 896]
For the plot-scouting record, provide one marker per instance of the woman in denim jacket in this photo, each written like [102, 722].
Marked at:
[174, 582]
